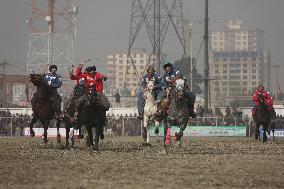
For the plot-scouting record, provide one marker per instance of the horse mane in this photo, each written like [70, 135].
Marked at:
[37, 79]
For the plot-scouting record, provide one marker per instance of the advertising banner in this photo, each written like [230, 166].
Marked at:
[205, 130]
[278, 133]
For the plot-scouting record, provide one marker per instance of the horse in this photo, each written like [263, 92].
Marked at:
[68, 120]
[178, 113]
[43, 110]
[150, 108]
[93, 116]
[263, 117]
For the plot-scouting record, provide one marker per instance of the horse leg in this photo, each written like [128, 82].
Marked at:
[97, 138]
[45, 127]
[157, 125]
[256, 132]
[58, 132]
[166, 140]
[180, 133]
[265, 130]
[145, 122]
[67, 128]
[90, 136]
[32, 132]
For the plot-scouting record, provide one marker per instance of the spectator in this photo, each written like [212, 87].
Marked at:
[117, 99]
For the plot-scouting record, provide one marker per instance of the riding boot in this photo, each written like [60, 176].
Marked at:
[191, 110]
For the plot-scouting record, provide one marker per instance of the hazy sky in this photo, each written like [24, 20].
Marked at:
[103, 27]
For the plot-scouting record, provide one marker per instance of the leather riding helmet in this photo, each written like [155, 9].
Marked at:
[168, 64]
[150, 67]
[52, 66]
[260, 87]
[91, 68]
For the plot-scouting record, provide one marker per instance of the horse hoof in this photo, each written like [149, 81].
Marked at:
[58, 138]
[95, 148]
[147, 144]
[32, 133]
[156, 131]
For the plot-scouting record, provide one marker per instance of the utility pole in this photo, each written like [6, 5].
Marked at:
[277, 66]
[4, 64]
[206, 58]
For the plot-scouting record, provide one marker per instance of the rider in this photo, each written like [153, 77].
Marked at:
[79, 88]
[54, 81]
[267, 99]
[169, 77]
[150, 75]
[94, 85]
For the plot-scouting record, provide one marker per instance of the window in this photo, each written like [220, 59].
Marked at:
[224, 77]
[245, 83]
[253, 71]
[245, 71]
[141, 61]
[254, 77]
[245, 77]
[120, 61]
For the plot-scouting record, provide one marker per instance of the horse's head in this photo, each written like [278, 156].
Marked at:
[37, 79]
[179, 87]
[151, 85]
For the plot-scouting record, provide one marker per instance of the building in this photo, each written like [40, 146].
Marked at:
[238, 63]
[237, 38]
[125, 75]
[18, 90]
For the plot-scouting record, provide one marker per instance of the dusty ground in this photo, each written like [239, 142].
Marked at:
[124, 163]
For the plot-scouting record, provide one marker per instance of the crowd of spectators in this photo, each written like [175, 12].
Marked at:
[13, 124]
[129, 125]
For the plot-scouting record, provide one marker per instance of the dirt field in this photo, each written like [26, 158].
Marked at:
[124, 163]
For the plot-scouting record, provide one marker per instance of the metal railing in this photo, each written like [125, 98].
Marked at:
[117, 126]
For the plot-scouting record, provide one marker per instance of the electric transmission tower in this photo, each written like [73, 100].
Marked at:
[52, 34]
[157, 16]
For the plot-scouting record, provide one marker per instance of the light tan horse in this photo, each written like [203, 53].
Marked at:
[150, 109]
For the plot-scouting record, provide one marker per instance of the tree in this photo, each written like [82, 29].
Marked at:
[184, 66]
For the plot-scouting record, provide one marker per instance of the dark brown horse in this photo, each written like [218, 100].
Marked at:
[93, 116]
[68, 118]
[42, 110]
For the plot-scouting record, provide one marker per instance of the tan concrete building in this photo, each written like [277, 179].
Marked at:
[123, 73]
[238, 62]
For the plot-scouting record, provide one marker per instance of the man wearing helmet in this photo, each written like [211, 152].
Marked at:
[150, 75]
[94, 85]
[93, 81]
[169, 77]
[54, 81]
[267, 99]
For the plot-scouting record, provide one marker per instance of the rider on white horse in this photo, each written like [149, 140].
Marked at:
[170, 76]
[150, 75]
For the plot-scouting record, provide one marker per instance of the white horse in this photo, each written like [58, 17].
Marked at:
[150, 109]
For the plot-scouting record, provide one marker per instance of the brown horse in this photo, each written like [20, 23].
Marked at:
[42, 110]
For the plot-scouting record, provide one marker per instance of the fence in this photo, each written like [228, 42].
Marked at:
[118, 126]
